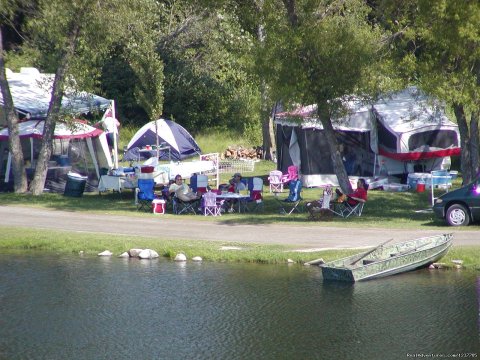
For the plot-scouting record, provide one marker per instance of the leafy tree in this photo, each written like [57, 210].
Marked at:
[8, 11]
[437, 46]
[209, 77]
[321, 52]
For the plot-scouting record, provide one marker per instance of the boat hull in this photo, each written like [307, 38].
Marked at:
[388, 260]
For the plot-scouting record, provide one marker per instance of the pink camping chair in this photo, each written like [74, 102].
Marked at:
[275, 179]
[291, 175]
[210, 204]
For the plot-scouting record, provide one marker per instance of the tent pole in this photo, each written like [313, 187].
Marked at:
[115, 142]
[156, 140]
[9, 164]
[92, 154]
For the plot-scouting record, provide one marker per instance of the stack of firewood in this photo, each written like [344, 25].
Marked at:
[239, 152]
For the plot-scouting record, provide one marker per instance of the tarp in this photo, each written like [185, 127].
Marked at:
[31, 93]
[175, 142]
[34, 129]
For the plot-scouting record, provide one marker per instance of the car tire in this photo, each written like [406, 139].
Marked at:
[457, 215]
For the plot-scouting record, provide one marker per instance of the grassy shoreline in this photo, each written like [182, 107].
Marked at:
[398, 210]
[90, 244]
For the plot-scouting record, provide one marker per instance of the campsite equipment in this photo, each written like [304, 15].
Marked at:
[158, 206]
[173, 142]
[421, 185]
[388, 260]
[405, 131]
[75, 185]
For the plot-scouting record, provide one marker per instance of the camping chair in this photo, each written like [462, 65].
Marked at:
[291, 175]
[211, 206]
[351, 206]
[199, 183]
[293, 201]
[255, 188]
[144, 194]
[184, 207]
[275, 179]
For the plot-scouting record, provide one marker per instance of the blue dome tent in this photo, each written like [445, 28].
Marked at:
[173, 142]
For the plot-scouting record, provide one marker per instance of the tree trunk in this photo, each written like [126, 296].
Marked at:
[53, 114]
[338, 165]
[268, 135]
[474, 144]
[14, 145]
[465, 157]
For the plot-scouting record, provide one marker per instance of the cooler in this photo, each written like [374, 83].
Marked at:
[158, 206]
[414, 178]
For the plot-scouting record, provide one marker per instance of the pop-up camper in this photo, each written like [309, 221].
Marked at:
[402, 133]
[414, 133]
[77, 146]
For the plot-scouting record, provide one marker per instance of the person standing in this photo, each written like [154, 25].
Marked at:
[111, 125]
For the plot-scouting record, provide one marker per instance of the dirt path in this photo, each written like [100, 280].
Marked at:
[300, 236]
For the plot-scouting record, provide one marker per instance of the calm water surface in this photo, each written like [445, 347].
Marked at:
[57, 307]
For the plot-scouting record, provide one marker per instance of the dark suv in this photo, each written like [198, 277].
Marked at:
[461, 206]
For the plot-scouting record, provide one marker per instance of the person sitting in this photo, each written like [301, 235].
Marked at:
[359, 195]
[235, 185]
[181, 190]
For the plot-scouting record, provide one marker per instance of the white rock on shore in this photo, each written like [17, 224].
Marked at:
[197, 258]
[180, 257]
[134, 252]
[105, 253]
[148, 254]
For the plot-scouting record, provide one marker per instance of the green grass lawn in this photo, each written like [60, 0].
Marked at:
[384, 209]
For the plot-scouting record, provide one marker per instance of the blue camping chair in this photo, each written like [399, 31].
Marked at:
[144, 194]
[294, 200]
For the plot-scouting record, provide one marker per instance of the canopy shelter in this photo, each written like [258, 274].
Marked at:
[31, 92]
[77, 147]
[164, 139]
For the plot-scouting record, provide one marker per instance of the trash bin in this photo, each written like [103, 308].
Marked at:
[75, 185]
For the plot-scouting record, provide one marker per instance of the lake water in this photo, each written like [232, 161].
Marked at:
[61, 307]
